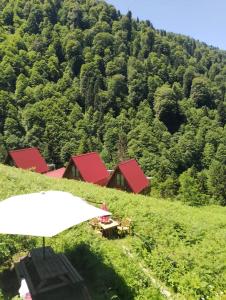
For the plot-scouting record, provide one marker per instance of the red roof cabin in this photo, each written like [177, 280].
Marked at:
[87, 167]
[56, 173]
[27, 159]
[128, 176]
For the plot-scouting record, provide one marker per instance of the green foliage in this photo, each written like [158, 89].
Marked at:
[10, 245]
[201, 92]
[190, 191]
[216, 181]
[174, 247]
[70, 69]
[187, 80]
[168, 188]
[166, 107]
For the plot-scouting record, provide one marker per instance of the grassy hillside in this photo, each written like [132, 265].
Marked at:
[177, 248]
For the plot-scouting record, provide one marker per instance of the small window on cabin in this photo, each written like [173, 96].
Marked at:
[120, 180]
[73, 171]
[76, 172]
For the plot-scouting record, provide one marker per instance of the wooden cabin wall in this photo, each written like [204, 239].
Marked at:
[114, 184]
[69, 174]
[9, 161]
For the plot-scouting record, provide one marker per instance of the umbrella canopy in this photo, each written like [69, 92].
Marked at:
[44, 214]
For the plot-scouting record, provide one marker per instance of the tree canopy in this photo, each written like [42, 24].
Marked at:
[78, 76]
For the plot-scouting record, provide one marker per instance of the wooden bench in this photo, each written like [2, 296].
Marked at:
[74, 276]
[22, 272]
[52, 272]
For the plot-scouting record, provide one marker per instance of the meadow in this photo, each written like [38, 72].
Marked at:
[175, 251]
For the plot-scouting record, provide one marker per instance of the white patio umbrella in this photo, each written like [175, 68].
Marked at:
[44, 214]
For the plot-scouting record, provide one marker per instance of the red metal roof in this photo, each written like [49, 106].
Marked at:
[134, 175]
[91, 168]
[29, 158]
[104, 181]
[56, 173]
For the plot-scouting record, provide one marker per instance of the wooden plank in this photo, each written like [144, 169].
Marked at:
[75, 277]
[22, 270]
[38, 252]
[19, 271]
[51, 287]
[50, 267]
[107, 226]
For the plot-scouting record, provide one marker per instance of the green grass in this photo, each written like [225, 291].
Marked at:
[174, 246]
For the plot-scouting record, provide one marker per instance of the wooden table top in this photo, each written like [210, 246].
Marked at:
[50, 267]
[110, 225]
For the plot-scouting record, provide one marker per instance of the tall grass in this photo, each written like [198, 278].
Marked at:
[183, 247]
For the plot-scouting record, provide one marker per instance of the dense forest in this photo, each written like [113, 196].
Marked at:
[77, 76]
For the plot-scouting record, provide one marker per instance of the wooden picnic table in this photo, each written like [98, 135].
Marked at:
[53, 271]
[49, 266]
[108, 228]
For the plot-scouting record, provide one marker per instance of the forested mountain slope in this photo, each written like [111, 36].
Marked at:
[174, 247]
[77, 76]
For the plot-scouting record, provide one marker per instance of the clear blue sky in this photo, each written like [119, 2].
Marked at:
[204, 20]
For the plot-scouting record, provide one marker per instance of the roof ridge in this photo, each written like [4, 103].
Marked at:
[85, 154]
[126, 161]
[24, 149]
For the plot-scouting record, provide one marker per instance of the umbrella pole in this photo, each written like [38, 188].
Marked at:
[43, 247]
